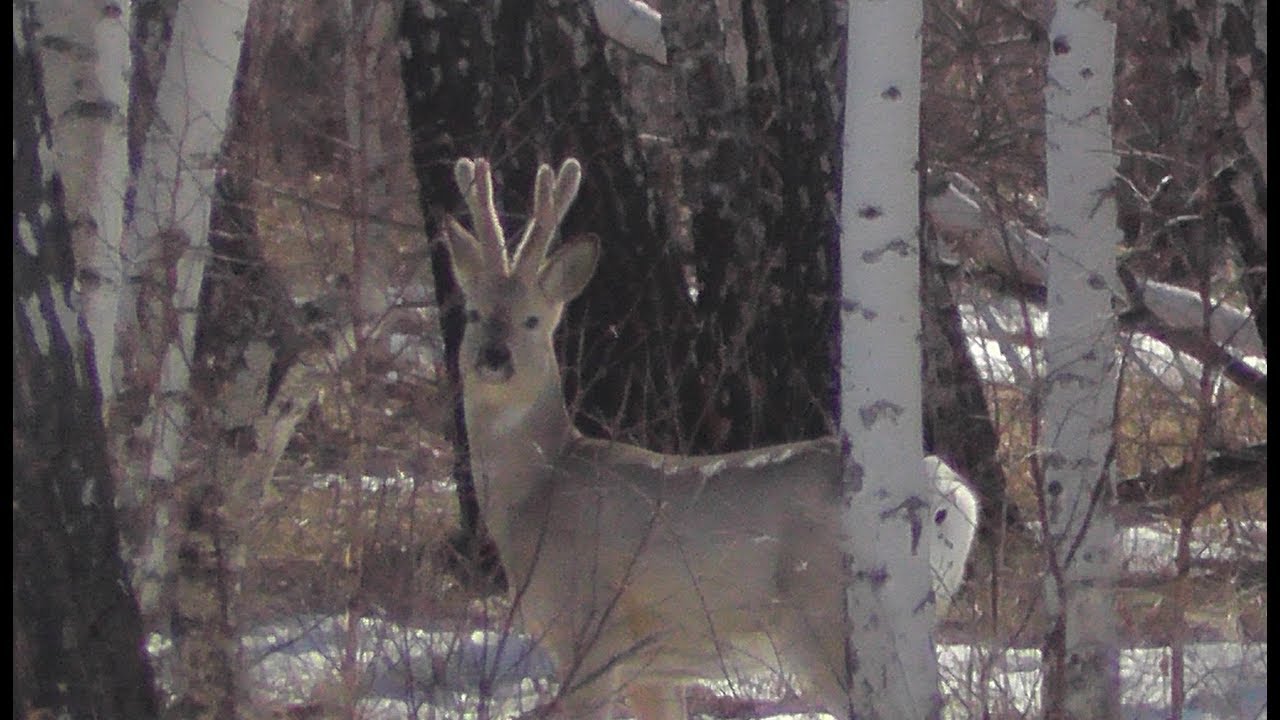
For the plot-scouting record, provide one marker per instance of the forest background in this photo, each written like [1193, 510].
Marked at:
[234, 401]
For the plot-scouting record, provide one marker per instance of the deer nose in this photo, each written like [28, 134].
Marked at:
[495, 356]
[494, 360]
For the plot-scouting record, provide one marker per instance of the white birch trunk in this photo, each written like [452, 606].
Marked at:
[86, 64]
[893, 669]
[76, 629]
[167, 242]
[1076, 433]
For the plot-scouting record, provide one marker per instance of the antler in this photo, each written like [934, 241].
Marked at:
[553, 193]
[476, 184]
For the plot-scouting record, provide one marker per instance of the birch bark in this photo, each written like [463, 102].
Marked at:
[1076, 425]
[77, 634]
[891, 666]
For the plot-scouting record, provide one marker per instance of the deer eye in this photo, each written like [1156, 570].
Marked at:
[473, 316]
[531, 322]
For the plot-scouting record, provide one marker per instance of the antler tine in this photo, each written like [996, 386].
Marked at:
[476, 184]
[553, 194]
[567, 183]
[541, 227]
[464, 174]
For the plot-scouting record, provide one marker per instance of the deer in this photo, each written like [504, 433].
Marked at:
[641, 571]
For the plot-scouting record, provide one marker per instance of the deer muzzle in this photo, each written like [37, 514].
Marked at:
[493, 363]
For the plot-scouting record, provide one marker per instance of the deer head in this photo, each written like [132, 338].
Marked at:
[514, 305]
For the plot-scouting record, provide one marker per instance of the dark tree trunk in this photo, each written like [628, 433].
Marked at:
[1242, 191]
[1207, 131]
[755, 138]
[957, 424]
[805, 45]
[78, 645]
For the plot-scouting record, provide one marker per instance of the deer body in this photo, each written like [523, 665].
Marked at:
[639, 570]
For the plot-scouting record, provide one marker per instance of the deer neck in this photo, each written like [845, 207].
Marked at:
[514, 444]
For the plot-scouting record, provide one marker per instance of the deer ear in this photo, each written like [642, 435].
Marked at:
[569, 268]
[465, 254]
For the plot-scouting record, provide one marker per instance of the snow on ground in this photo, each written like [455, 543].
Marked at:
[438, 675]
[448, 673]
[1224, 681]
